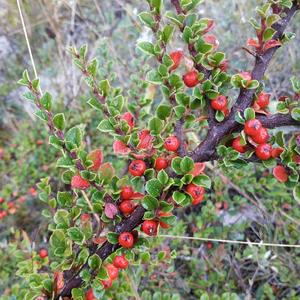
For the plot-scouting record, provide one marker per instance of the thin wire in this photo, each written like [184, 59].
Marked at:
[227, 241]
[26, 38]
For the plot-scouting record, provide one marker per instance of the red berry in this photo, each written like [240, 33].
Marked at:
[127, 207]
[263, 151]
[128, 117]
[172, 143]
[219, 103]
[261, 136]
[149, 227]
[209, 245]
[126, 240]
[280, 174]
[89, 295]
[263, 100]
[276, 152]
[196, 192]
[236, 145]
[160, 163]
[1, 200]
[43, 253]
[251, 127]
[112, 271]
[120, 262]
[126, 192]
[137, 167]
[190, 79]
[106, 283]
[176, 56]
[96, 156]
[78, 182]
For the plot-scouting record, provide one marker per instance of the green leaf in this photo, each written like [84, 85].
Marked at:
[104, 87]
[167, 33]
[254, 84]
[147, 19]
[176, 165]
[268, 34]
[59, 121]
[94, 103]
[105, 126]
[219, 116]
[296, 114]
[74, 136]
[64, 198]
[238, 118]
[25, 78]
[186, 164]
[55, 142]
[146, 47]
[76, 235]
[150, 203]
[83, 51]
[202, 180]
[94, 261]
[178, 197]
[272, 19]
[163, 111]
[112, 237]
[249, 113]
[296, 193]
[29, 96]
[153, 187]
[155, 125]
[187, 34]
[163, 177]
[41, 115]
[279, 138]
[153, 77]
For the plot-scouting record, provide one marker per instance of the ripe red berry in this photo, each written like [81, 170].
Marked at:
[112, 271]
[120, 262]
[137, 167]
[219, 103]
[128, 117]
[196, 192]
[172, 143]
[149, 227]
[251, 127]
[276, 152]
[78, 182]
[190, 79]
[236, 145]
[96, 156]
[106, 283]
[160, 163]
[209, 245]
[263, 99]
[126, 240]
[89, 295]
[280, 174]
[126, 192]
[261, 136]
[127, 207]
[263, 151]
[176, 56]
[43, 253]
[1, 200]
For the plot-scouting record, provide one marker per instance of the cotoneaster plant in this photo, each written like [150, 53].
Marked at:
[99, 225]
